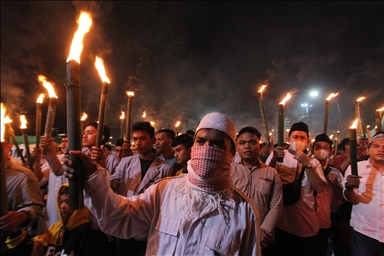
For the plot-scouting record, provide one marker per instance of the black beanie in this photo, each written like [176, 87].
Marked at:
[300, 126]
[323, 137]
[119, 142]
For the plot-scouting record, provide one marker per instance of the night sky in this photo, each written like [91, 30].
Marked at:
[186, 59]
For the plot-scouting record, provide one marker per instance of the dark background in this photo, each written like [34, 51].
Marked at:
[186, 59]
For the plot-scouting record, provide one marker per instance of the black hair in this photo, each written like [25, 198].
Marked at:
[170, 133]
[108, 146]
[183, 139]
[144, 126]
[343, 143]
[106, 130]
[64, 190]
[249, 129]
[190, 133]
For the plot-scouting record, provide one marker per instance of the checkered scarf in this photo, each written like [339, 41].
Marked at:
[209, 168]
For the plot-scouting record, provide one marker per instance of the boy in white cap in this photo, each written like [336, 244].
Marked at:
[201, 213]
[366, 192]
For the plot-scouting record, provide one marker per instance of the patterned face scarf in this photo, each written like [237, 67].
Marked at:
[209, 169]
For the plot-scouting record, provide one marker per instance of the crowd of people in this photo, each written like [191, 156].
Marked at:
[214, 191]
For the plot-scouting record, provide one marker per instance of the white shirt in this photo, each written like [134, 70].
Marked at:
[368, 209]
[159, 214]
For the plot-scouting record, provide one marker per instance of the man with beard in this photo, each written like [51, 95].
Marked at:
[298, 226]
[201, 213]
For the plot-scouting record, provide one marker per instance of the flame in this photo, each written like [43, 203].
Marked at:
[23, 121]
[262, 88]
[152, 123]
[7, 120]
[2, 121]
[100, 68]
[40, 98]
[285, 99]
[354, 125]
[332, 95]
[84, 116]
[144, 114]
[360, 99]
[85, 23]
[331, 136]
[380, 109]
[122, 115]
[48, 86]
[130, 93]
[368, 127]
[177, 124]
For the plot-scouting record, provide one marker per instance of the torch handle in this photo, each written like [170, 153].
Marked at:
[4, 194]
[12, 134]
[280, 134]
[74, 133]
[100, 125]
[38, 124]
[353, 147]
[326, 114]
[263, 118]
[49, 122]
[28, 152]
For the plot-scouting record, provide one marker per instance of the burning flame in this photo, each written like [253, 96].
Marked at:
[152, 123]
[177, 124]
[100, 68]
[2, 121]
[122, 115]
[144, 114]
[354, 125]
[85, 23]
[380, 109]
[360, 99]
[130, 94]
[285, 99]
[23, 121]
[331, 136]
[48, 86]
[332, 95]
[84, 116]
[40, 98]
[262, 88]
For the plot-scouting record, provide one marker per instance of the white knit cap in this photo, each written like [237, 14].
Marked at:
[219, 122]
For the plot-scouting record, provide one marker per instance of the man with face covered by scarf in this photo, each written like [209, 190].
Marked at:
[296, 231]
[201, 213]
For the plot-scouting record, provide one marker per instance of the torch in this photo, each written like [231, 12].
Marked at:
[352, 146]
[74, 109]
[8, 122]
[82, 120]
[122, 124]
[327, 111]
[144, 115]
[152, 124]
[23, 128]
[337, 138]
[359, 126]
[51, 110]
[177, 127]
[38, 119]
[103, 100]
[4, 194]
[280, 134]
[368, 130]
[130, 95]
[263, 115]
[378, 117]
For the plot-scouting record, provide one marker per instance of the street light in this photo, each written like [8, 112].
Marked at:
[306, 106]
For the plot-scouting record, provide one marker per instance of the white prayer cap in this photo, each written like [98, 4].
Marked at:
[219, 122]
[377, 136]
